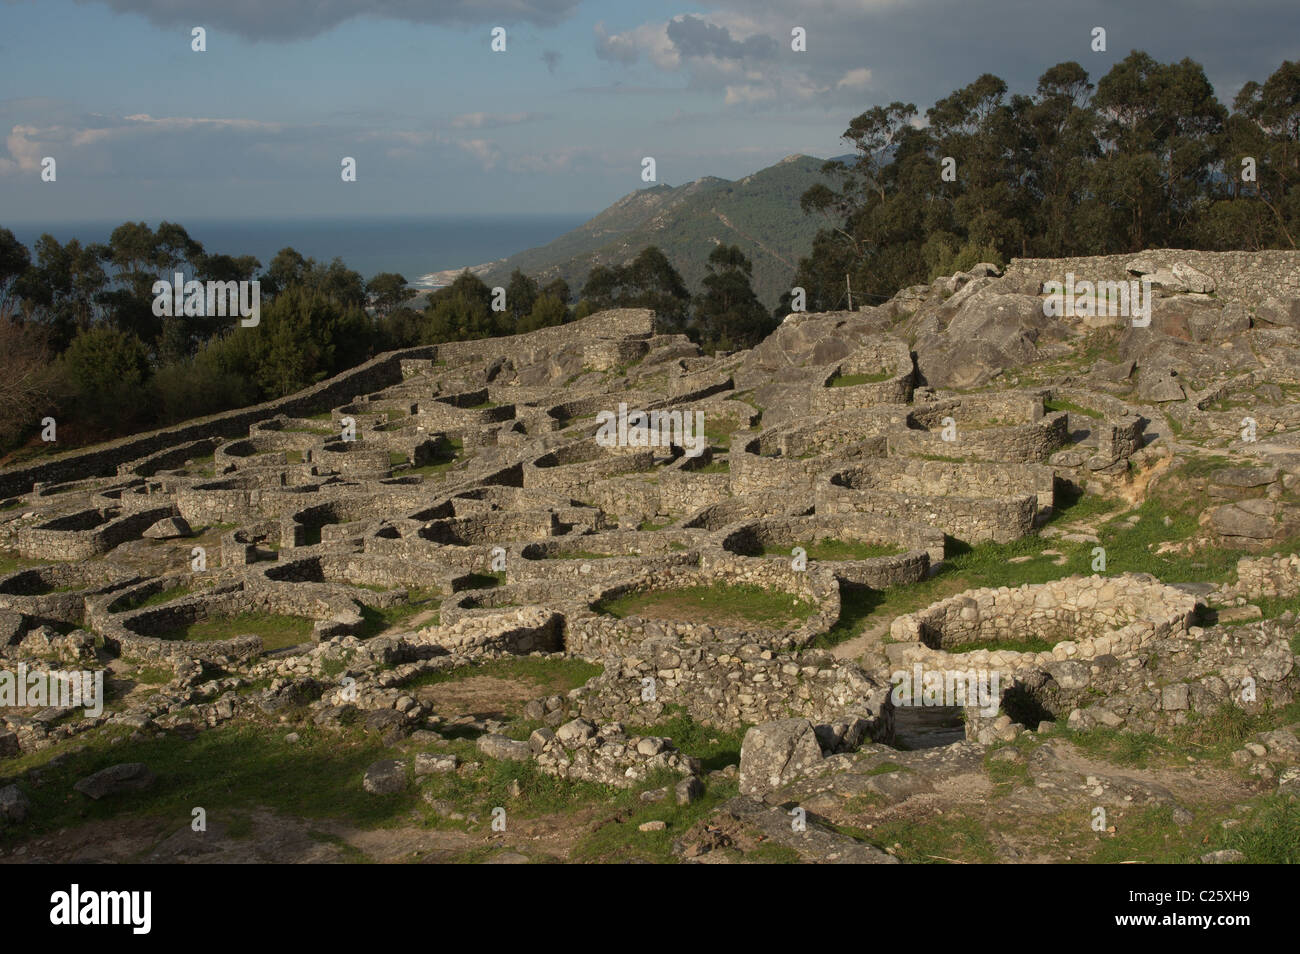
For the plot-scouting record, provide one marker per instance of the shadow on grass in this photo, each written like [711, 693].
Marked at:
[221, 770]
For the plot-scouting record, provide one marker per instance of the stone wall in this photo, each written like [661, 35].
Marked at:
[1269, 576]
[104, 459]
[1026, 443]
[1250, 277]
[88, 533]
[971, 501]
[1083, 617]
[729, 685]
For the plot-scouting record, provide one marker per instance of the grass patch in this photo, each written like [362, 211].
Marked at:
[552, 676]
[616, 838]
[277, 631]
[227, 769]
[1070, 406]
[446, 457]
[857, 603]
[949, 838]
[11, 562]
[378, 620]
[154, 599]
[152, 675]
[717, 603]
[849, 380]
[1271, 833]
[715, 748]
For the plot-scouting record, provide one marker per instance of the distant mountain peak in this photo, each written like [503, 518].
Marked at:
[759, 213]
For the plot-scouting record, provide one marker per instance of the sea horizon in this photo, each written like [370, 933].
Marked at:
[415, 246]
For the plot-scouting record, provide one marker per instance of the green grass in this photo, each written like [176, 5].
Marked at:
[718, 602]
[1211, 736]
[479, 793]
[554, 676]
[837, 550]
[379, 620]
[849, 380]
[154, 599]
[719, 438]
[616, 836]
[857, 604]
[1128, 549]
[646, 525]
[1064, 405]
[1270, 834]
[225, 769]
[715, 748]
[713, 467]
[956, 838]
[276, 631]
[446, 458]
[11, 562]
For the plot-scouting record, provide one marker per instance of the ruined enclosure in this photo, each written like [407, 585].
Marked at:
[765, 594]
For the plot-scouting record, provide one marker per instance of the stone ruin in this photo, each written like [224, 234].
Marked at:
[468, 475]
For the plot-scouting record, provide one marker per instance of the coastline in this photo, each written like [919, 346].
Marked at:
[441, 279]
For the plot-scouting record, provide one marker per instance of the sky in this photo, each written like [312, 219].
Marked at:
[141, 126]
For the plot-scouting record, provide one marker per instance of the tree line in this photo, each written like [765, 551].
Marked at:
[80, 339]
[1146, 158]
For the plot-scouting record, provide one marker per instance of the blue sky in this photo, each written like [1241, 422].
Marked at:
[143, 127]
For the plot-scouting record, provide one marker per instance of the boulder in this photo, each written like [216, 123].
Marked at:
[774, 753]
[116, 780]
[1193, 279]
[12, 627]
[435, 763]
[1159, 385]
[13, 805]
[1245, 478]
[168, 528]
[385, 777]
[506, 749]
[1283, 313]
[688, 790]
[1243, 519]
[575, 732]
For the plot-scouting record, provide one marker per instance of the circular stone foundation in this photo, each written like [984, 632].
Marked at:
[869, 549]
[1074, 618]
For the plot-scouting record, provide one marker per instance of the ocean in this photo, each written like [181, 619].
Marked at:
[414, 247]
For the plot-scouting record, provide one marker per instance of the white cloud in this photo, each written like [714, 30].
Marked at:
[855, 79]
[482, 150]
[491, 120]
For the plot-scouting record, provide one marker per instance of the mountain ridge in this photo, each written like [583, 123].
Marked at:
[759, 212]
